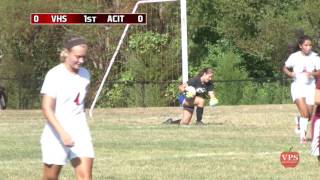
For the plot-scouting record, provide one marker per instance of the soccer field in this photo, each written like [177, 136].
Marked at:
[240, 142]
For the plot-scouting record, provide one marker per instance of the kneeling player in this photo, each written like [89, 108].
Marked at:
[203, 85]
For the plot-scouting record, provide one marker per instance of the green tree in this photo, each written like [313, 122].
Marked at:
[228, 69]
[153, 61]
[262, 30]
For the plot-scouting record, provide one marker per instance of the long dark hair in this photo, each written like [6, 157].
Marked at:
[205, 71]
[301, 38]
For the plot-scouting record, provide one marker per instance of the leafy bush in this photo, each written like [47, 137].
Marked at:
[265, 93]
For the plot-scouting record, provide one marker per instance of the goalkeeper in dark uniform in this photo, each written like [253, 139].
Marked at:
[203, 86]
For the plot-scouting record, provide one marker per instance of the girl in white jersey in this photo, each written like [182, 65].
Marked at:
[66, 135]
[305, 64]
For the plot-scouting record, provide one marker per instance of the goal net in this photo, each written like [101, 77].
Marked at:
[147, 68]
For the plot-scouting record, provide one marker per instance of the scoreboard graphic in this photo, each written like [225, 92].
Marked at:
[87, 18]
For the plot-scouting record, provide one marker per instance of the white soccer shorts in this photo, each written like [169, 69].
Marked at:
[307, 91]
[58, 154]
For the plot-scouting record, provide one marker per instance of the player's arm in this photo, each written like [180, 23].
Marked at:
[315, 73]
[48, 106]
[211, 95]
[286, 71]
[190, 82]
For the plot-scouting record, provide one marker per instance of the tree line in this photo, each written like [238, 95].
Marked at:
[240, 39]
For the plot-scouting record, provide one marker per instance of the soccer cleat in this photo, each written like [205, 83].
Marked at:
[168, 121]
[200, 123]
[303, 141]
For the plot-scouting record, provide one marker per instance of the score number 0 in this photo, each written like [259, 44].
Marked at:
[36, 18]
[140, 18]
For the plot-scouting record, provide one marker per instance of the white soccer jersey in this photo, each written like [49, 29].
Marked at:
[69, 91]
[302, 63]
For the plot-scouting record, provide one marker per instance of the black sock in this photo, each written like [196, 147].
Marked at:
[199, 113]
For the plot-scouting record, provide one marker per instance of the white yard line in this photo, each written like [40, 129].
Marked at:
[175, 156]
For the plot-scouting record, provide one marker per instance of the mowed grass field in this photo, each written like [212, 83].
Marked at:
[240, 142]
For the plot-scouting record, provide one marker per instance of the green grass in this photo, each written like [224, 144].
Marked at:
[240, 142]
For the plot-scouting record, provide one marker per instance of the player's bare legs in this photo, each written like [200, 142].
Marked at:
[188, 108]
[317, 98]
[199, 101]
[305, 112]
[310, 110]
[186, 117]
[51, 172]
[83, 168]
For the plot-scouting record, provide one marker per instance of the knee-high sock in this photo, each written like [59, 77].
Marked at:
[199, 113]
[297, 119]
[303, 127]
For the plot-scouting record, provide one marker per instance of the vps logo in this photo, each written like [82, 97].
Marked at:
[289, 159]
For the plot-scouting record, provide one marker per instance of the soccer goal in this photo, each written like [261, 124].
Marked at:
[149, 60]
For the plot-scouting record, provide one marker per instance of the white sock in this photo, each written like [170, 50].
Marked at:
[303, 127]
[296, 119]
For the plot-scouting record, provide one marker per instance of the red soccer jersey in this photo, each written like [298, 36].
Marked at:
[315, 118]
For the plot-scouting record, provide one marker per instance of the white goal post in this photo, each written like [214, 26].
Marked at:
[184, 45]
